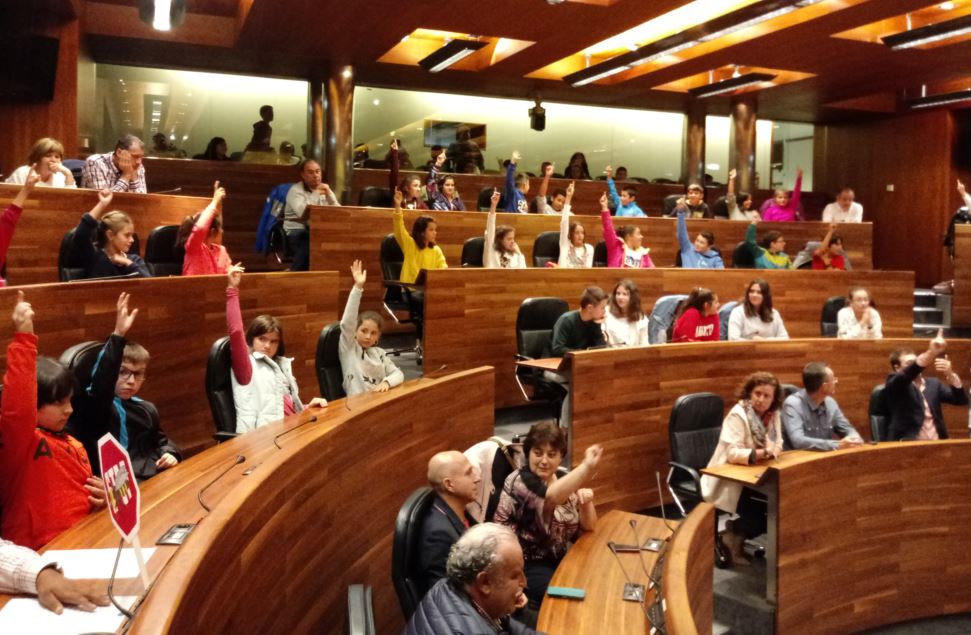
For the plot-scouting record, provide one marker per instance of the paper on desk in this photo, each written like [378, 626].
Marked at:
[95, 564]
[26, 615]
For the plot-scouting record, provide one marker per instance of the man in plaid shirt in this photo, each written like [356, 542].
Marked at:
[23, 571]
[118, 171]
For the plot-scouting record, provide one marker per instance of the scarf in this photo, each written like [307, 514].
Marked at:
[755, 424]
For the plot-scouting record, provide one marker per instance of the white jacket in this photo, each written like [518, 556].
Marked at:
[492, 259]
[619, 331]
[261, 400]
[571, 257]
[363, 369]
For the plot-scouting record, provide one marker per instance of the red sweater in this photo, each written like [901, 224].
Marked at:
[693, 327]
[201, 258]
[42, 473]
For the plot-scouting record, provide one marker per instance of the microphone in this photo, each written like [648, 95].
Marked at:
[632, 590]
[172, 191]
[239, 459]
[286, 432]
[640, 552]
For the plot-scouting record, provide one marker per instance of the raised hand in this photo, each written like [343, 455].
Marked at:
[33, 178]
[609, 171]
[23, 315]
[516, 157]
[123, 317]
[799, 173]
[961, 189]
[938, 345]
[494, 199]
[440, 160]
[569, 190]
[592, 456]
[603, 202]
[548, 171]
[359, 274]
[398, 197]
[218, 193]
[732, 174]
[104, 200]
[394, 144]
[234, 274]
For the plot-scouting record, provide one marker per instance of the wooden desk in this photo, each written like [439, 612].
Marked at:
[590, 565]
[961, 300]
[552, 364]
[282, 544]
[623, 397]
[470, 314]
[869, 536]
[688, 574]
[340, 235]
[50, 213]
[178, 320]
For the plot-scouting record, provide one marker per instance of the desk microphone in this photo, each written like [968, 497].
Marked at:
[632, 590]
[286, 432]
[640, 552]
[239, 459]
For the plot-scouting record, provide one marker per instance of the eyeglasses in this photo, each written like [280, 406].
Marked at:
[127, 373]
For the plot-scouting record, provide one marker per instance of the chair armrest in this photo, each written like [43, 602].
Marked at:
[224, 436]
[692, 472]
[407, 286]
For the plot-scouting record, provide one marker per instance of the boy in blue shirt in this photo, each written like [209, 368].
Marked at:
[625, 203]
[517, 185]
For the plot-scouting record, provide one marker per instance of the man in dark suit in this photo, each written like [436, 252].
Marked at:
[914, 400]
[456, 484]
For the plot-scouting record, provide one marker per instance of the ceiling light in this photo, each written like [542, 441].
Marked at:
[927, 34]
[449, 54]
[731, 84]
[721, 26]
[162, 15]
[940, 100]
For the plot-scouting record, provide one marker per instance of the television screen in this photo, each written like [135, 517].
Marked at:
[443, 133]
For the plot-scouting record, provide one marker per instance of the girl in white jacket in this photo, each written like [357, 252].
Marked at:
[625, 323]
[500, 250]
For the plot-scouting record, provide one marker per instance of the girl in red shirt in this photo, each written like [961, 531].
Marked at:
[830, 254]
[202, 236]
[698, 321]
[46, 485]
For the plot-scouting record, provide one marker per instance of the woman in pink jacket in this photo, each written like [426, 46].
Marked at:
[624, 248]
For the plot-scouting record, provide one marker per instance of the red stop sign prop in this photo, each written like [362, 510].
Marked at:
[124, 503]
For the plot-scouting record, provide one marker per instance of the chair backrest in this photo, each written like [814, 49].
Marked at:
[405, 562]
[827, 322]
[70, 266]
[219, 386]
[76, 166]
[694, 427]
[789, 389]
[719, 208]
[162, 255]
[392, 259]
[742, 257]
[534, 324]
[546, 248]
[80, 359]
[360, 610]
[485, 199]
[878, 414]
[330, 375]
[373, 196]
[662, 317]
[600, 254]
[670, 202]
[723, 314]
[473, 251]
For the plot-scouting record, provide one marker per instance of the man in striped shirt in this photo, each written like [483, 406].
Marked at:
[120, 170]
[24, 571]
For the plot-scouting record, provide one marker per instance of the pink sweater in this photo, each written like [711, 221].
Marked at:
[775, 212]
[202, 258]
[616, 246]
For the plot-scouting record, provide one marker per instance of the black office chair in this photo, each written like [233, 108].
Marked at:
[219, 390]
[828, 326]
[600, 254]
[670, 202]
[80, 360]
[360, 610]
[76, 166]
[788, 390]
[534, 334]
[70, 266]
[546, 248]
[405, 573]
[396, 294]
[878, 414]
[473, 251]
[162, 255]
[330, 376]
[693, 430]
[373, 196]
[742, 257]
[485, 199]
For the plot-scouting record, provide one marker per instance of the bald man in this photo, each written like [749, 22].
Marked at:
[456, 484]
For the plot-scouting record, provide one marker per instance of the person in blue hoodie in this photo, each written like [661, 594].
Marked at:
[625, 202]
[698, 254]
[517, 186]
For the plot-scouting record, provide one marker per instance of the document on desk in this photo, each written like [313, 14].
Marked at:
[96, 564]
[26, 615]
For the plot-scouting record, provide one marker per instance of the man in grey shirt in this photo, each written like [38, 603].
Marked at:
[311, 190]
[811, 417]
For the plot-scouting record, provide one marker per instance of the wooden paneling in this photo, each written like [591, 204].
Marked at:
[283, 541]
[961, 300]
[340, 235]
[622, 398]
[586, 197]
[178, 320]
[909, 207]
[26, 122]
[470, 315]
[688, 574]
[247, 186]
[50, 213]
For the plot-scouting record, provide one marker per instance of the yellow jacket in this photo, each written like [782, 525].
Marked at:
[415, 259]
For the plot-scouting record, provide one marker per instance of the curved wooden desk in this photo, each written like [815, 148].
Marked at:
[622, 397]
[290, 528]
[686, 580]
[868, 536]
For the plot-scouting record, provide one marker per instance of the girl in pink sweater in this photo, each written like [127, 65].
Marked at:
[202, 236]
[782, 207]
[624, 248]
